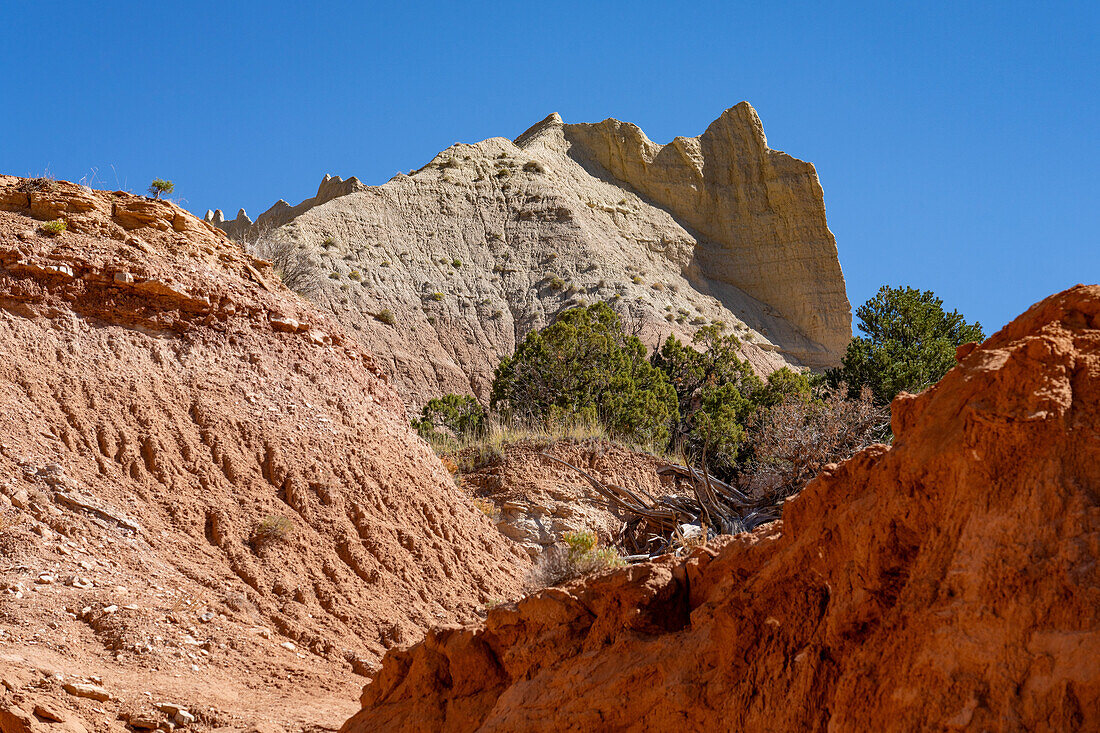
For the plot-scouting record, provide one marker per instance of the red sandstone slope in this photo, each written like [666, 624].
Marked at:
[161, 395]
[947, 582]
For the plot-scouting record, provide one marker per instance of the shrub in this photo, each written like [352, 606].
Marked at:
[456, 263]
[579, 554]
[719, 394]
[386, 316]
[450, 417]
[585, 363]
[159, 186]
[533, 166]
[294, 264]
[556, 283]
[328, 242]
[437, 296]
[334, 275]
[355, 275]
[794, 439]
[55, 227]
[273, 528]
[637, 280]
[909, 342]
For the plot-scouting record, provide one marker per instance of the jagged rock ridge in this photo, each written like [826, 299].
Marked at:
[946, 582]
[488, 241]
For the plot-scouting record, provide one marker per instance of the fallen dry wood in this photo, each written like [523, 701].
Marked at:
[654, 526]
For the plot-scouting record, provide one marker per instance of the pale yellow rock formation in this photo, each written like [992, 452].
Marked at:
[761, 212]
[491, 240]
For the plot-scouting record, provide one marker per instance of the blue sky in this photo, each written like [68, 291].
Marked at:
[957, 143]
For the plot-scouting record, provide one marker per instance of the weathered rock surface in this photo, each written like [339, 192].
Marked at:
[282, 212]
[196, 468]
[539, 500]
[489, 241]
[947, 582]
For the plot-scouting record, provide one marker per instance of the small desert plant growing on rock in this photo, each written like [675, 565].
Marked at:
[160, 186]
[437, 296]
[273, 528]
[579, 554]
[556, 283]
[55, 227]
[386, 316]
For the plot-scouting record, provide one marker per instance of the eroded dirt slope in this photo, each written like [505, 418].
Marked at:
[948, 582]
[162, 399]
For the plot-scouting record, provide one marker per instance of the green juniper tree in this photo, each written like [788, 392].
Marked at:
[719, 394]
[159, 186]
[451, 416]
[909, 342]
[584, 364]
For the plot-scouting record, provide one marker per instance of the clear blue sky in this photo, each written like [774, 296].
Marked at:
[957, 142]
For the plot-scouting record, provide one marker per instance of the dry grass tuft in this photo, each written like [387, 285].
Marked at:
[578, 555]
[293, 263]
[273, 528]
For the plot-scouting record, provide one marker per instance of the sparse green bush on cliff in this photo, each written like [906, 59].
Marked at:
[909, 342]
[579, 554]
[55, 227]
[160, 186]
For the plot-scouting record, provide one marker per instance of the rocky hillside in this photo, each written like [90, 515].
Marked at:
[946, 582]
[489, 241]
[210, 497]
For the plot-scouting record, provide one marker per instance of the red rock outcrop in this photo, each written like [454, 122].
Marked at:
[209, 493]
[947, 582]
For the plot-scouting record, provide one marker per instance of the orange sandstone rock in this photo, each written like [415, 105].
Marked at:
[947, 582]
